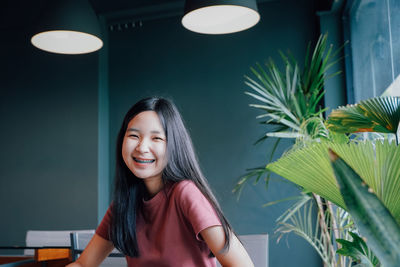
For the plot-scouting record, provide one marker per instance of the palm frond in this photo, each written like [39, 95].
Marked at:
[377, 163]
[314, 128]
[281, 200]
[291, 97]
[300, 220]
[379, 114]
[254, 173]
[284, 134]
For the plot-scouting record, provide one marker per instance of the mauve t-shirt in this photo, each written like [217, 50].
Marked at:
[170, 235]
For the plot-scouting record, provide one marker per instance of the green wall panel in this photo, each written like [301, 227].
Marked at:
[48, 139]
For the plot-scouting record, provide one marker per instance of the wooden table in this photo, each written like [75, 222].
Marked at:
[44, 256]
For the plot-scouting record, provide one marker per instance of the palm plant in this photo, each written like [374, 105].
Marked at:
[289, 99]
[376, 162]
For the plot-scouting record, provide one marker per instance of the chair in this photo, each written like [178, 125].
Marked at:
[257, 248]
[48, 248]
[50, 239]
[80, 240]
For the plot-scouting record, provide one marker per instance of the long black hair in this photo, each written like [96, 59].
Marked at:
[182, 165]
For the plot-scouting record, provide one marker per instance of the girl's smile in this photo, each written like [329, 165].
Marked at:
[144, 149]
[143, 161]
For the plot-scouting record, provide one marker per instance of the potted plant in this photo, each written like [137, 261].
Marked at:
[373, 202]
[290, 101]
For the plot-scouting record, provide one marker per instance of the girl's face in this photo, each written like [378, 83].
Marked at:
[144, 148]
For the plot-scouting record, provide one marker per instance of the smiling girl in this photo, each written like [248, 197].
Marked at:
[163, 212]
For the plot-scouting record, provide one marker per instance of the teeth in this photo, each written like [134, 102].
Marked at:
[143, 161]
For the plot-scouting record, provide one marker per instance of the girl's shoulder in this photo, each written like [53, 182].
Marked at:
[186, 191]
[184, 185]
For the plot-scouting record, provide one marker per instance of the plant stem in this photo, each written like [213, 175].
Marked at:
[324, 229]
[341, 260]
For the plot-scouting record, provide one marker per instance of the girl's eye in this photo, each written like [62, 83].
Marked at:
[158, 138]
[133, 135]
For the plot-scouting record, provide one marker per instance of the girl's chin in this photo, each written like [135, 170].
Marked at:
[144, 176]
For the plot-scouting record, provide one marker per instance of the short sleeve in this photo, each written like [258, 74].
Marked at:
[196, 207]
[103, 229]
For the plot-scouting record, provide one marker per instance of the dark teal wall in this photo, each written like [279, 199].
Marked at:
[331, 22]
[204, 76]
[48, 139]
[49, 114]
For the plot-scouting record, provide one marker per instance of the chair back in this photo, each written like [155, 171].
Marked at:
[257, 248]
[49, 239]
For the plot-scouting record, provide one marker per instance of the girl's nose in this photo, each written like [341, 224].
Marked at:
[143, 146]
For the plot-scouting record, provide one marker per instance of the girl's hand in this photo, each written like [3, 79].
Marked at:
[236, 255]
[94, 254]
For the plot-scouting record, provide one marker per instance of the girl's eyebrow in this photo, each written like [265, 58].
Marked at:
[132, 130]
[136, 130]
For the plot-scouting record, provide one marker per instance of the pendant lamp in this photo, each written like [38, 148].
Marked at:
[220, 17]
[68, 27]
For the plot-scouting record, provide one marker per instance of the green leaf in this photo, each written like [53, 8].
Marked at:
[284, 134]
[309, 167]
[251, 173]
[281, 200]
[377, 163]
[373, 219]
[290, 97]
[358, 251]
[379, 114]
[300, 220]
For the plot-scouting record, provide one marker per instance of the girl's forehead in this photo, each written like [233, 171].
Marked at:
[146, 120]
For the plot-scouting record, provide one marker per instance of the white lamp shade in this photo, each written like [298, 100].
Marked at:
[67, 42]
[220, 19]
[68, 27]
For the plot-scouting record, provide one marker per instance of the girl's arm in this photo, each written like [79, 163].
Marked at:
[95, 252]
[235, 255]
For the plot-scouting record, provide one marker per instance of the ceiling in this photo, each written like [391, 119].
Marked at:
[115, 6]
[19, 14]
